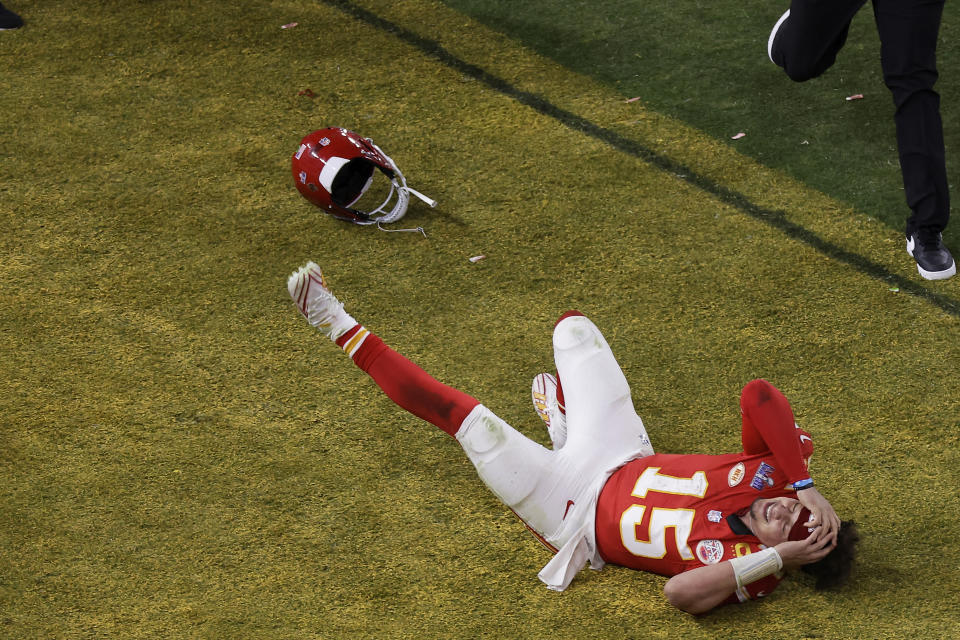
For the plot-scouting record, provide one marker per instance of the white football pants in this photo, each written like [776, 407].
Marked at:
[555, 492]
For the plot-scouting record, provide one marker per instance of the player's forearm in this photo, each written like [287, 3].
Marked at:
[700, 590]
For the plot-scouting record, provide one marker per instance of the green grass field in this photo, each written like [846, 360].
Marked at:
[181, 456]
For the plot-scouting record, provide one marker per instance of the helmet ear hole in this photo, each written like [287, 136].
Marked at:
[351, 181]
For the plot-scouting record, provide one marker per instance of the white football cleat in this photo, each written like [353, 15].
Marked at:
[309, 291]
[544, 395]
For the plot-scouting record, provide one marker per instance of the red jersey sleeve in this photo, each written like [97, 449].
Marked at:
[768, 425]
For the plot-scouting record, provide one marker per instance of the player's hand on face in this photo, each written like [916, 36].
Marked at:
[795, 553]
[822, 515]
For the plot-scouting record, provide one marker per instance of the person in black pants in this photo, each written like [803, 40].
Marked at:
[8, 19]
[805, 42]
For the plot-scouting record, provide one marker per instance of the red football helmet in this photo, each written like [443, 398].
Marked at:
[334, 167]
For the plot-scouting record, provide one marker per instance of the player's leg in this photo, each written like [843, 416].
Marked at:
[808, 37]
[525, 476]
[535, 482]
[404, 382]
[8, 19]
[908, 41]
[522, 473]
[603, 431]
[601, 420]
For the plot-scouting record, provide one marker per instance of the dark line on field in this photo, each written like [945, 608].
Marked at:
[775, 218]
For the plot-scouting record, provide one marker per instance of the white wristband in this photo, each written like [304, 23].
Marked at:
[753, 566]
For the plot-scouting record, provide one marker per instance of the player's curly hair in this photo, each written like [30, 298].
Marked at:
[834, 570]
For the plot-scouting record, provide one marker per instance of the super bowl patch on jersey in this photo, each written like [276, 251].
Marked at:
[761, 479]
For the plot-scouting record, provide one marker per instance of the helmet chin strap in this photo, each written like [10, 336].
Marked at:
[418, 229]
[403, 199]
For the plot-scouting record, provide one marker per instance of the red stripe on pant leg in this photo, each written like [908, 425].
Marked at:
[536, 535]
[413, 388]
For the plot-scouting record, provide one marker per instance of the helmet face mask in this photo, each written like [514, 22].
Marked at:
[334, 168]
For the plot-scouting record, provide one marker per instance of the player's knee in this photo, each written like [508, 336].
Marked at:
[574, 330]
[911, 90]
[480, 432]
[504, 459]
[802, 73]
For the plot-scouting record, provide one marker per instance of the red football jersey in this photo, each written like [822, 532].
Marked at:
[668, 513]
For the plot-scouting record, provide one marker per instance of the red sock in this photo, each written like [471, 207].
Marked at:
[407, 384]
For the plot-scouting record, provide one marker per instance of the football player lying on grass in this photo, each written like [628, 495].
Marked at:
[724, 527]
